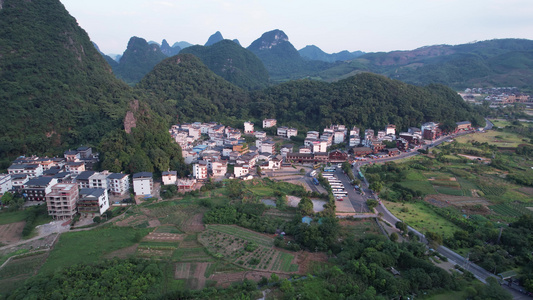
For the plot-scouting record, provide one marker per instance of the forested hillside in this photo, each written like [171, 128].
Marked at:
[503, 62]
[234, 63]
[183, 89]
[366, 100]
[138, 59]
[57, 92]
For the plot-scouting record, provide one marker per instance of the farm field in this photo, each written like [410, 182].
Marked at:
[358, 228]
[16, 271]
[500, 139]
[247, 249]
[421, 217]
[96, 244]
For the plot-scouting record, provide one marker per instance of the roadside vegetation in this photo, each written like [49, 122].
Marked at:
[473, 194]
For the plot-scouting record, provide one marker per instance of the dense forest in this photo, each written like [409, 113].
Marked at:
[365, 100]
[233, 63]
[57, 92]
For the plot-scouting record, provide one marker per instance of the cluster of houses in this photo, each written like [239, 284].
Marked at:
[496, 95]
[67, 185]
[226, 146]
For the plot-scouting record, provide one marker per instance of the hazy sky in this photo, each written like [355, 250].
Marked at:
[335, 25]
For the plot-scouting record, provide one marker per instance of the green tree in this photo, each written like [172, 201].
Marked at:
[305, 206]
[376, 186]
[393, 237]
[402, 226]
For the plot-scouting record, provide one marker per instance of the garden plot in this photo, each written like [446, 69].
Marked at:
[247, 249]
[193, 273]
[15, 272]
[163, 237]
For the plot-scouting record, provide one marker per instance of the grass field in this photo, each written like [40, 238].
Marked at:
[89, 246]
[422, 218]
[500, 139]
[12, 217]
[358, 228]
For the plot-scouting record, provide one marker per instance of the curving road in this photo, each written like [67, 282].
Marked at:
[480, 273]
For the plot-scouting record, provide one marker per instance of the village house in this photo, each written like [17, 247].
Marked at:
[369, 134]
[240, 170]
[268, 147]
[260, 135]
[83, 180]
[430, 131]
[361, 151]
[75, 167]
[312, 135]
[185, 185]
[305, 150]
[72, 155]
[463, 126]
[32, 170]
[337, 156]
[393, 151]
[169, 177]
[390, 129]
[199, 170]
[6, 184]
[119, 183]
[18, 181]
[287, 132]
[36, 189]
[143, 183]
[354, 140]
[248, 127]
[61, 200]
[98, 180]
[338, 137]
[93, 201]
[219, 168]
[269, 123]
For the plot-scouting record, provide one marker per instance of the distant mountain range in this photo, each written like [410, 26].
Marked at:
[504, 62]
[312, 52]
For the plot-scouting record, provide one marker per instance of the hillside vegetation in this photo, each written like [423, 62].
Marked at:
[57, 92]
[233, 63]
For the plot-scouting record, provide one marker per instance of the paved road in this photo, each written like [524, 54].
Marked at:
[480, 273]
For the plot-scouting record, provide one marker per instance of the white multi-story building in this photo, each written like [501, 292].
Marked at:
[338, 137]
[169, 177]
[32, 170]
[287, 132]
[268, 147]
[118, 183]
[260, 135]
[143, 183]
[312, 135]
[269, 123]
[5, 183]
[390, 129]
[93, 201]
[248, 127]
[98, 180]
[355, 131]
[199, 170]
[219, 168]
[241, 170]
[354, 140]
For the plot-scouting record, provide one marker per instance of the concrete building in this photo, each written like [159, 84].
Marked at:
[169, 177]
[269, 123]
[118, 183]
[390, 129]
[36, 189]
[5, 183]
[143, 183]
[61, 200]
[199, 170]
[248, 127]
[93, 201]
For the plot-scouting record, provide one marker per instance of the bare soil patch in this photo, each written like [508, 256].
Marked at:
[11, 233]
[123, 253]
[154, 223]
[526, 190]
[194, 224]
